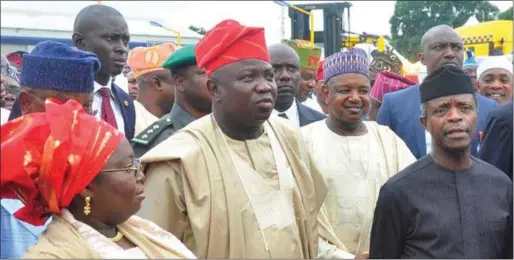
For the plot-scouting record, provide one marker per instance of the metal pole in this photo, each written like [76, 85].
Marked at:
[179, 36]
[311, 16]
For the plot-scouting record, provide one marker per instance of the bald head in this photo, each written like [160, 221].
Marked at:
[103, 30]
[279, 51]
[92, 15]
[286, 64]
[438, 32]
[441, 45]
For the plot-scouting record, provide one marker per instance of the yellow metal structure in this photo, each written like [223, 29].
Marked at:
[311, 18]
[488, 38]
[350, 41]
[179, 36]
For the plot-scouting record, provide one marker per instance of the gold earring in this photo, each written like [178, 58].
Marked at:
[87, 206]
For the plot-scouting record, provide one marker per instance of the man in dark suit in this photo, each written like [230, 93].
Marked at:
[496, 146]
[286, 64]
[401, 110]
[103, 30]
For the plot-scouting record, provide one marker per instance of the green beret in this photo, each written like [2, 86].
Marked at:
[309, 53]
[184, 56]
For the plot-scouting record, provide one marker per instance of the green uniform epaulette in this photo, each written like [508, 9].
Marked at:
[150, 133]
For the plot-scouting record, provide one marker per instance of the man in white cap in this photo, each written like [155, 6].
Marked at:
[495, 79]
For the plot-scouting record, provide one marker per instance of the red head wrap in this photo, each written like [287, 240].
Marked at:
[320, 71]
[228, 42]
[387, 82]
[16, 58]
[50, 157]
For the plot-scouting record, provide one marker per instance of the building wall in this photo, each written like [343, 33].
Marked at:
[15, 39]
[8, 48]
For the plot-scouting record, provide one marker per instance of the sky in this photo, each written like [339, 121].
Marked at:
[365, 16]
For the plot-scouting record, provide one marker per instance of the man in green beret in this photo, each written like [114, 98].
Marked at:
[310, 56]
[192, 100]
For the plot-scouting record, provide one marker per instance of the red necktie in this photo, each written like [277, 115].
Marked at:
[107, 112]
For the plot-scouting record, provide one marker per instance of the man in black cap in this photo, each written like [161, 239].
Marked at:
[192, 100]
[448, 204]
[400, 110]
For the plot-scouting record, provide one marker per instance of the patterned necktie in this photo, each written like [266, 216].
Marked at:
[107, 111]
[283, 115]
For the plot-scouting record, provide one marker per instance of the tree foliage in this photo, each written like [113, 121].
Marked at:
[506, 15]
[411, 19]
[199, 30]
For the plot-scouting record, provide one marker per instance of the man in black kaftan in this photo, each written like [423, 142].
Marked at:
[448, 204]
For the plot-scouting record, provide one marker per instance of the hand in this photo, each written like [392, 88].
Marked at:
[364, 255]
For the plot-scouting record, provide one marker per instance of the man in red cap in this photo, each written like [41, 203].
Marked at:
[319, 90]
[237, 183]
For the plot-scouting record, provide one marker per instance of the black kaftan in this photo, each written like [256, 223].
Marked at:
[427, 211]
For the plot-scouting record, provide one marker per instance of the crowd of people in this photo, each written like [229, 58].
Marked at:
[233, 148]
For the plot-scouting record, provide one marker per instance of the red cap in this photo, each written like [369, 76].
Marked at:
[16, 58]
[387, 82]
[228, 42]
[320, 71]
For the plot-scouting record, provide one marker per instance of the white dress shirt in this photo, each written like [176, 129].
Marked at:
[97, 105]
[4, 116]
[291, 113]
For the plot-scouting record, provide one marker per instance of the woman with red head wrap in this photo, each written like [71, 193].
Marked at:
[81, 171]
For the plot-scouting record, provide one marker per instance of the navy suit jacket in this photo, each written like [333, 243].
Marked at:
[308, 115]
[401, 111]
[126, 107]
[496, 147]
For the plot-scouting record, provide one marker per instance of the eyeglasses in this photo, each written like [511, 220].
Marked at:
[136, 167]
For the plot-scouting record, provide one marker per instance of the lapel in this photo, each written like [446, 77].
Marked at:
[125, 104]
[419, 131]
[304, 116]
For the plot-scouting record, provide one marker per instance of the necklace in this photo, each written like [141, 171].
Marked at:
[117, 238]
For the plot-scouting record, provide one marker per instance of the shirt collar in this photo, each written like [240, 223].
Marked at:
[290, 112]
[98, 86]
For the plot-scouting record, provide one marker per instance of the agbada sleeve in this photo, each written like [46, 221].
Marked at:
[389, 226]
[164, 204]
[403, 153]
[329, 246]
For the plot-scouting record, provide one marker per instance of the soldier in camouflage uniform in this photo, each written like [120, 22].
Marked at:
[192, 100]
